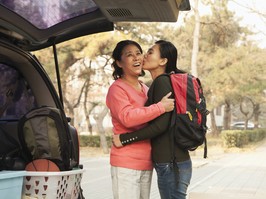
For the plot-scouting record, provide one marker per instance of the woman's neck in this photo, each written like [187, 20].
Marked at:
[156, 73]
[132, 81]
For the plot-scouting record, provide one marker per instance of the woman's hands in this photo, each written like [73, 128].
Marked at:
[168, 103]
[116, 141]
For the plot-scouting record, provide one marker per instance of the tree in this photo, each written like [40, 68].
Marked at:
[223, 54]
[196, 35]
[220, 35]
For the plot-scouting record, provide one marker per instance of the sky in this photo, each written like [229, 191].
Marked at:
[254, 21]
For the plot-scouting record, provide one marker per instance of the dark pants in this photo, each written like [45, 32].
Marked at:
[173, 182]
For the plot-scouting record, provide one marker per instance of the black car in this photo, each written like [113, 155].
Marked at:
[27, 26]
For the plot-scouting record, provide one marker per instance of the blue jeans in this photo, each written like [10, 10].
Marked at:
[173, 182]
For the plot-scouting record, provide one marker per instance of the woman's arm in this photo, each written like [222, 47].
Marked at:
[159, 88]
[122, 107]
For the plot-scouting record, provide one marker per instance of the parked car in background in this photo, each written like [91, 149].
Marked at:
[241, 125]
[27, 26]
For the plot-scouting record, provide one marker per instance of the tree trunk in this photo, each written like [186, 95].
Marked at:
[89, 126]
[196, 34]
[247, 108]
[257, 113]
[214, 128]
[86, 111]
[227, 115]
[99, 121]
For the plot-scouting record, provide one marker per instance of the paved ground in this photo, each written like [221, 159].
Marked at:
[237, 175]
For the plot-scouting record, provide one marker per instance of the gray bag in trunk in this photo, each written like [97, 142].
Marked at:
[44, 134]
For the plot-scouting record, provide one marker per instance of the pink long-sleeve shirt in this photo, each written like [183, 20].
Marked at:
[128, 114]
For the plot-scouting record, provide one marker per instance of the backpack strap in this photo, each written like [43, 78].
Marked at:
[172, 136]
[201, 106]
[205, 148]
[171, 125]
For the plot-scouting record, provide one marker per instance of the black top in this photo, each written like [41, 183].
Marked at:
[158, 129]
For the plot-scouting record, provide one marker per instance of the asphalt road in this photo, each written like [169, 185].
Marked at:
[238, 175]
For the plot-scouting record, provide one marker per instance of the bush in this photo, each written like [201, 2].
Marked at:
[93, 140]
[240, 138]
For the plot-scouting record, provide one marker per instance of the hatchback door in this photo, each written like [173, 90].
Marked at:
[33, 25]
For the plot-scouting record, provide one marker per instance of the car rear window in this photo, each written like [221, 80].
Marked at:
[16, 97]
[46, 13]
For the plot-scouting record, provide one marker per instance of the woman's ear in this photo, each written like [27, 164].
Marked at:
[118, 64]
[163, 61]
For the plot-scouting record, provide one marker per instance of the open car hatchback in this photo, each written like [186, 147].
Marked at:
[27, 26]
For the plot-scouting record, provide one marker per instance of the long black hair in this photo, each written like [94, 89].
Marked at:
[117, 53]
[169, 51]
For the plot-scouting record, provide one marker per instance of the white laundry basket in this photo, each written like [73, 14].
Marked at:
[52, 185]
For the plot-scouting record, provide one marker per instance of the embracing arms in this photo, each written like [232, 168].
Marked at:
[159, 88]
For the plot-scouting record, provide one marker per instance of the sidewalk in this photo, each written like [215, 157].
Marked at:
[232, 175]
[236, 176]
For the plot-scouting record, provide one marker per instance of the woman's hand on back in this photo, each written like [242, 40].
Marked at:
[168, 103]
[116, 141]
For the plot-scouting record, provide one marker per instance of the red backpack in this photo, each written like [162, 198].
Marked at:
[188, 122]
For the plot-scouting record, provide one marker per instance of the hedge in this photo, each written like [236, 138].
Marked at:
[92, 140]
[240, 138]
